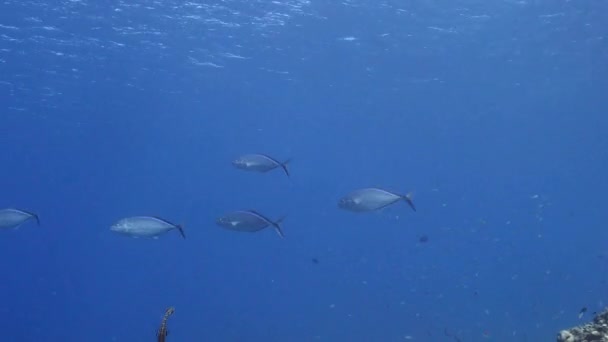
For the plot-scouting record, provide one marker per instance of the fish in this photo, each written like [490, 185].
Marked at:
[145, 226]
[582, 312]
[163, 331]
[13, 218]
[259, 163]
[249, 221]
[370, 199]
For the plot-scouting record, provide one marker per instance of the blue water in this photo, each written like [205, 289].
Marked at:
[493, 113]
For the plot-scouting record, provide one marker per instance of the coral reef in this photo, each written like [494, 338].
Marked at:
[596, 331]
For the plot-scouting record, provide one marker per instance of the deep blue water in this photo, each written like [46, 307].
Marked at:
[494, 113]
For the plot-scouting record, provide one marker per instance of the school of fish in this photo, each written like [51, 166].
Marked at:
[358, 201]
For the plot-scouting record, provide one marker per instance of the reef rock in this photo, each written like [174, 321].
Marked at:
[596, 331]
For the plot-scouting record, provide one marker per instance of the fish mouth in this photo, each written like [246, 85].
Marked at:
[346, 205]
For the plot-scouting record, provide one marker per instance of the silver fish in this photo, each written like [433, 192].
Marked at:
[370, 199]
[259, 163]
[248, 221]
[145, 226]
[13, 218]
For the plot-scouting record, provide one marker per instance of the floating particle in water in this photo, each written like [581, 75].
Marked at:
[423, 239]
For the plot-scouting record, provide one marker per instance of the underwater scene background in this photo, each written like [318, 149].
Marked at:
[493, 114]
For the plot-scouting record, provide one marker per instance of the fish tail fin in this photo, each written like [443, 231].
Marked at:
[277, 226]
[33, 215]
[284, 166]
[36, 218]
[181, 230]
[409, 198]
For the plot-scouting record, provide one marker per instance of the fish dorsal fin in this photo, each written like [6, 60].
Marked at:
[283, 165]
[255, 212]
[270, 158]
[166, 221]
[176, 226]
[258, 213]
[31, 214]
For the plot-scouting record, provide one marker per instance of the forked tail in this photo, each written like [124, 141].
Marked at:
[409, 199]
[277, 226]
[33, 215]
[181, 230]
[284, 166]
